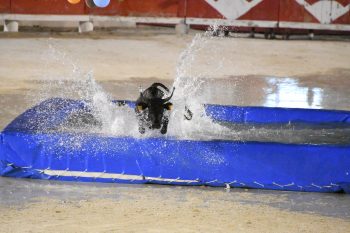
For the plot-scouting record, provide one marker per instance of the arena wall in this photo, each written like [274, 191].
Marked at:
[330, 15]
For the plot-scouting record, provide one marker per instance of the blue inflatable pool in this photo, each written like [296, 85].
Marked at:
[28, 152]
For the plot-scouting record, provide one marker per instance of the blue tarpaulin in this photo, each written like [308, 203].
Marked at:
[26, 151]
[264, 115]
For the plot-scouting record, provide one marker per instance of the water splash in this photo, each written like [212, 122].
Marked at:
[189, 83]
[74, 83]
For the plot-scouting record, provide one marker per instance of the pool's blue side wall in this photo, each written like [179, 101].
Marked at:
[39, 116]
[318, 168]
[216, 163]
[266, 115]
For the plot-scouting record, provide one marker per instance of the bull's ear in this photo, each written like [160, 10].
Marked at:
[168, 106]
[139, 107]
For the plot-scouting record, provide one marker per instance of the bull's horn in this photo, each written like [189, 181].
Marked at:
[160, 85]
[168, 98]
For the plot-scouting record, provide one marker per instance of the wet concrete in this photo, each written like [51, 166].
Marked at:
[324, 91]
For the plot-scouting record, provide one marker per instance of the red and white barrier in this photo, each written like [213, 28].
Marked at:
[273, 14]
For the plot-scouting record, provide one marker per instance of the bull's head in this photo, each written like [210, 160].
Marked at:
[156, 108]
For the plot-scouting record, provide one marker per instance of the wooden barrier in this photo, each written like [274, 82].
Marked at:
[5, 6]
[61, 7]
[331, 15]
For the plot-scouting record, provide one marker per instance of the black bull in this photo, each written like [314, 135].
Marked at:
[152, 110]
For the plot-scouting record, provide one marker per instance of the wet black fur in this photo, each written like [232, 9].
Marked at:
[153, 108]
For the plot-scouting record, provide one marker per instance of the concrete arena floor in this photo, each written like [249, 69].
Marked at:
[314, 74]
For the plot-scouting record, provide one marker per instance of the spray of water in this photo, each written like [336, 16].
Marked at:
[189, 86]
[74, 83]
[121, 121]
